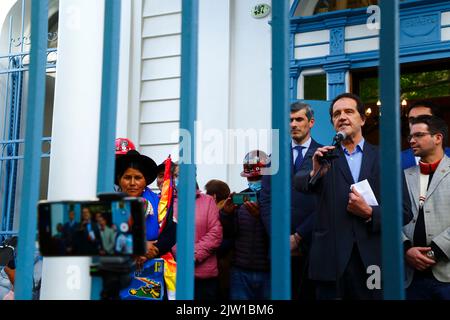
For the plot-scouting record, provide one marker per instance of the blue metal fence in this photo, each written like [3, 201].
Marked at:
[391, 186]
[188, 116]
[280, 217]
[14, 68]
[33, 150]
[12, 144]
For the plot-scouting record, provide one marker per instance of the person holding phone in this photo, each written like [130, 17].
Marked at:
[250, 272]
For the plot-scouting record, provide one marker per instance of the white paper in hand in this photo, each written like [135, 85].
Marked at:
[363, 188]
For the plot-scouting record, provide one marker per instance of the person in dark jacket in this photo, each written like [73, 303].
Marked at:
[303, 205]
[250, 272]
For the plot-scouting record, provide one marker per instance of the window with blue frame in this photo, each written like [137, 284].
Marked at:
[335, 5]
[315, 87]
[14, 64]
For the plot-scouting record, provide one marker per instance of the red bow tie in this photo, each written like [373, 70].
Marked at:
[428, 168]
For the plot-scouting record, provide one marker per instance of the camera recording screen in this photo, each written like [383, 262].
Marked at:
[91, 228]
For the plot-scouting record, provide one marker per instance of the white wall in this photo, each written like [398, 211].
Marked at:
[213, 89]
[234, 83]
[157, 114]
[250, 81]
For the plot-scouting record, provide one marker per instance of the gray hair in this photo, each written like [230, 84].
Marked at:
[297, 106]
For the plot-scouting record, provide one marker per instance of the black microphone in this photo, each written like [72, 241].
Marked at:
[327, 158]
[339, 137]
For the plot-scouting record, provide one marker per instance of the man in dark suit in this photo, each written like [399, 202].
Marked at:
[302, 205]
[419, 108]
[69, 229]
[346, 237]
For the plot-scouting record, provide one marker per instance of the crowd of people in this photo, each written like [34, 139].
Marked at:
[335, 234]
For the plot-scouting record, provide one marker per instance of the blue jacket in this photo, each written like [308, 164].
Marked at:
[168, 237]
[408, 159]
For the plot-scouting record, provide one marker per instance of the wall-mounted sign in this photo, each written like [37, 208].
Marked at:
[260, 11]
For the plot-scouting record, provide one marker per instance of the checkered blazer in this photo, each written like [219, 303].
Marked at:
[436, 215]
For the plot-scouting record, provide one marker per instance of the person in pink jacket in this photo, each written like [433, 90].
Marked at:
[208, 237]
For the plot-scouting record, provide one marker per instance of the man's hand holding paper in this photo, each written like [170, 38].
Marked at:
[360, 200]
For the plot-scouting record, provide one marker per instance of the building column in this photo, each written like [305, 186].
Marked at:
[336, 82]
[75, 135]
[337, 65]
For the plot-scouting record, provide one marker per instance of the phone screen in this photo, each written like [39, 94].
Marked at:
[92, 228]
[240, 198]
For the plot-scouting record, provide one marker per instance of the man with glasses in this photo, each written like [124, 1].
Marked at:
[427, 236]
[417, 109]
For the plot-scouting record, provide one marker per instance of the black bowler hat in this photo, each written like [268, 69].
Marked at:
[134, 159]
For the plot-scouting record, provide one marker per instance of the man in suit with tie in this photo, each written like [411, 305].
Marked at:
[417, 109]
[346, 238]
[302, 205]
[427, 236]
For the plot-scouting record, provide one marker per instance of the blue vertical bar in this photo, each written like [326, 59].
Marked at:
[391, 186]
[108, 113]
[281, 182]
[33, 150]
[188, 116]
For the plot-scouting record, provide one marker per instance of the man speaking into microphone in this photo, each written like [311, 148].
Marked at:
[346, 238]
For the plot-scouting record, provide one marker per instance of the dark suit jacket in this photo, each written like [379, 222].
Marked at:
[302, 205]
[337, 230]
[408, 159]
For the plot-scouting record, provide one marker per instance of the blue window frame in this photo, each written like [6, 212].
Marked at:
[14, 65]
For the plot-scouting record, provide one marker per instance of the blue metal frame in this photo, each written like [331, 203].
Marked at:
[391, 185]
[430, 49]
[11, 143]
[188, 116]
[32, 160]
[280, 215]
[108, 114]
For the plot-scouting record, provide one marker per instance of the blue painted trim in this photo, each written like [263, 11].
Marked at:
[32, 162]
[293, 8]
[391, 179]
[188, 116]
[280, 214]
[108, 112]
[371, 58]
[311, 44]
[337, 41]
[358, 16]
[361, 38]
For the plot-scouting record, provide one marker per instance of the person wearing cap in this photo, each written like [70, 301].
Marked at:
[134, 172]
[250, 267]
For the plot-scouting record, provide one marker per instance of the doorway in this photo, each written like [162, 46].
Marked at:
[428, 80]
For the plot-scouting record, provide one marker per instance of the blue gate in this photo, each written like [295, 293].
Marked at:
[14, 65]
